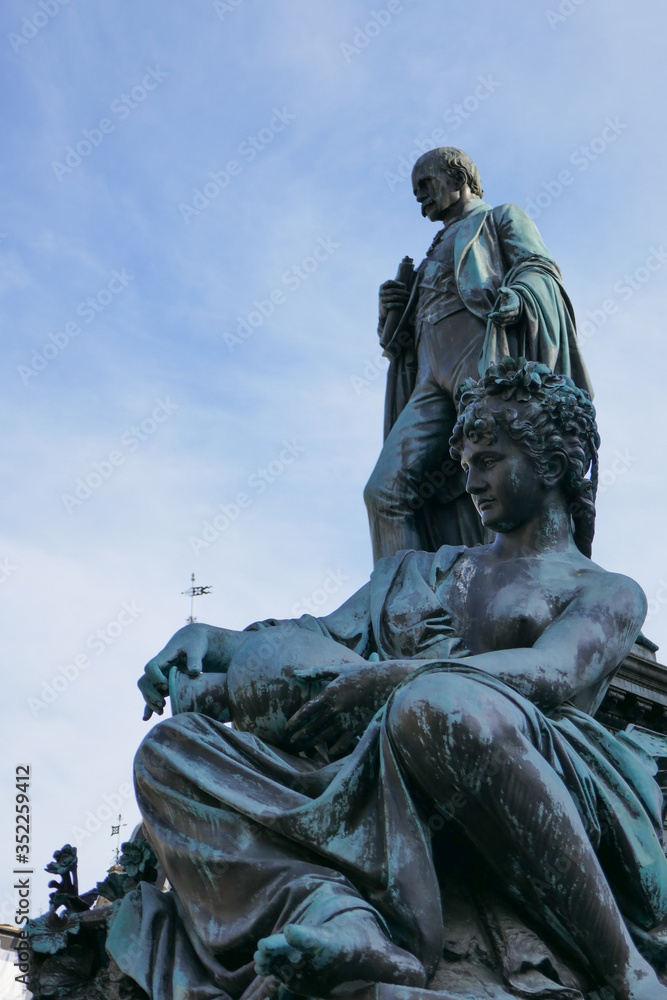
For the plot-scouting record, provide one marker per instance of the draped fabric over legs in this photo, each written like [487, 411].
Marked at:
[252, 838]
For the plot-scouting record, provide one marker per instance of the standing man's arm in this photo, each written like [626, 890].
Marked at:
[519, 240]
[532, 316]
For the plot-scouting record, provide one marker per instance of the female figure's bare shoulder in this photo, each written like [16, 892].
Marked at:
[612, 593]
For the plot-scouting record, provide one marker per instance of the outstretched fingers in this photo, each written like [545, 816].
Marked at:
[184, 650]
[306, 941]
[276, 957]
[153, 696]
[156, 672]
[345, 742]
[308, 722]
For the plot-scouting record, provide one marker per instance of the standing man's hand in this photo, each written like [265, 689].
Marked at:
[393, 295]
[507, 307]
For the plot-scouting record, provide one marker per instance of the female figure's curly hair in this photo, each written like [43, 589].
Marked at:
[547, 414]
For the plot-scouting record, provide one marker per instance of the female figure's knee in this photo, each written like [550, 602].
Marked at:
[455, 717]
[404, 718]
[427, 710]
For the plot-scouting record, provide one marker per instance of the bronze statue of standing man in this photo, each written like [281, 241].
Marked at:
[486, 289]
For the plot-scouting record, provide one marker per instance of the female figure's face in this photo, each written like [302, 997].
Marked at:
[505, 487]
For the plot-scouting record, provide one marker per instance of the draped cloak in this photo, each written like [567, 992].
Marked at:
[494, 247]
[252, 837]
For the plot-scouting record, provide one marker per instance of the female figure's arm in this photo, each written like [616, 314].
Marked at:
[588, 640]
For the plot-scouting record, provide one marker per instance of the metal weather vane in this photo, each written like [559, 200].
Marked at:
[115, 831]
[193, 592]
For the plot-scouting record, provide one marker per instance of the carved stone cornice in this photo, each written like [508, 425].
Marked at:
[638, 692]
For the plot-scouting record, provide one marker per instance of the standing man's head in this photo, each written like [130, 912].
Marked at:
[443, 180]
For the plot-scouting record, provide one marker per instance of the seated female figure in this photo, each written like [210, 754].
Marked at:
[301, 834]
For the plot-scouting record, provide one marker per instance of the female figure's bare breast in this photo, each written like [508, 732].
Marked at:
[509, 604]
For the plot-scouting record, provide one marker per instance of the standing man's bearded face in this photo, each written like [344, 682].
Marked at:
[435, 189]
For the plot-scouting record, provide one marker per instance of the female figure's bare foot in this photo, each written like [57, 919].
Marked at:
[340, 957]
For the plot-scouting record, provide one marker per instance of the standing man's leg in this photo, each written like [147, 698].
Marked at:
[397, 490]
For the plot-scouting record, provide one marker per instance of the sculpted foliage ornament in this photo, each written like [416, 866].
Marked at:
[69, 958]
[137, 863]
[50, 933]
[64, 861]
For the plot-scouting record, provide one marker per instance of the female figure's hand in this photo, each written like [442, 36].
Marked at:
[341, 712]
[193, 648]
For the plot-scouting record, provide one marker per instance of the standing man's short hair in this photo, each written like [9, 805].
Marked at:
[450, 159]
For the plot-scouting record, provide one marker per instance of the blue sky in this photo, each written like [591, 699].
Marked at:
[199, 203]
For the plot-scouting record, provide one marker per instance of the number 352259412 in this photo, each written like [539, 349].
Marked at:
[22, 813]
